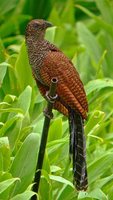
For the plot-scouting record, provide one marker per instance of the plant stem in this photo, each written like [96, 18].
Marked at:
[51, 96]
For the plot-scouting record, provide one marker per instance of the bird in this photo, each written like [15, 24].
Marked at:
[48, 61]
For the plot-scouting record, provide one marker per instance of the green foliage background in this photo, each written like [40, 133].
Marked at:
[83, 30]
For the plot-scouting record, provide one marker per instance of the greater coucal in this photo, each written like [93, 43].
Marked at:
[47, 62]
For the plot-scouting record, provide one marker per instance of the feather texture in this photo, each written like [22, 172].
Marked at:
[48, 62]
[77, 149]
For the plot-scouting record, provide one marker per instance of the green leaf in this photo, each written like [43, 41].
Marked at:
[41, 11]
[98, 84]
[66, 192]
[95, 194]
[23, 68]
[55, 147]
[6, 6]
[24, 163]
[55, 169]
[106, 9]
[100, 166]
[45, 185]
[69, 8]
[9, 123]
[24, 99]
[55, 131]
[90, 42]
[24, 196]
[2, 51]
[3, 69]
[9, 98]
[5, 184]
[107, 27]
[12, 110]
[46, 163]
[96, 117]
[61, 180]
[50, 34]
[104, 181]
[3, 104]
[13, 132]
[59, 142]
[4, 154]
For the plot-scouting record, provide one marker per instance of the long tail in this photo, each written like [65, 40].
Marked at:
[78, 150]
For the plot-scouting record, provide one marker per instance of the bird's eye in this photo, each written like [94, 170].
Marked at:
[35, 25]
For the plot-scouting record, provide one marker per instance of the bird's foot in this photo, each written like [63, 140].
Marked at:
[50, 98]
[48, 114]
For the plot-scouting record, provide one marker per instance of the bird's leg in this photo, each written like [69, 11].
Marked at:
[52, 100]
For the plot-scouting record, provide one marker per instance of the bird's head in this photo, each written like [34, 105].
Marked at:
[37, 27]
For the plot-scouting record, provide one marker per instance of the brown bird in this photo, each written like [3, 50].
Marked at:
[47, 62]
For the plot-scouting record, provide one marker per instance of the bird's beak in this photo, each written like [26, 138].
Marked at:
[48, 24]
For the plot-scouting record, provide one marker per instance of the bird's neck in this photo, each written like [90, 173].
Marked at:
[37, 49]
[35, 37]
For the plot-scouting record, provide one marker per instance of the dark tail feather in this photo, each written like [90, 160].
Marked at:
[77, 150]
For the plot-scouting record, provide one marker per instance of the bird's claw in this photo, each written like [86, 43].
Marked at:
[50, 98]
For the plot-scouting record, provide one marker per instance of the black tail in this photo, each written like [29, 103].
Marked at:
[78, 150]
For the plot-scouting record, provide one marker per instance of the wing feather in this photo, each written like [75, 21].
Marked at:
[70, 88]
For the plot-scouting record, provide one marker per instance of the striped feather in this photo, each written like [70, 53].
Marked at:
[77, 150]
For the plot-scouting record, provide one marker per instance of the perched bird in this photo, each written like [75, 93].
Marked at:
[47, 62]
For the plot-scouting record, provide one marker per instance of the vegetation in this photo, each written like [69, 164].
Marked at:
[84, 31]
